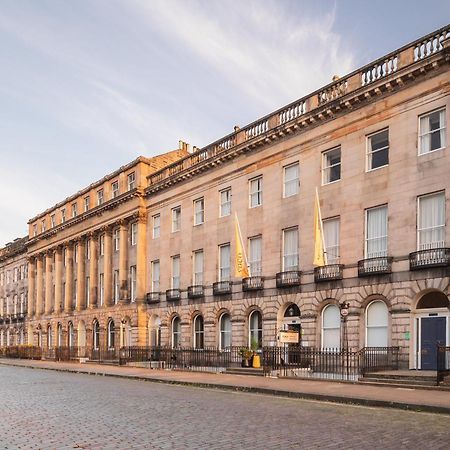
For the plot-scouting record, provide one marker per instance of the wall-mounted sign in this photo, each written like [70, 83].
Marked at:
[407, 336]
[288, 337]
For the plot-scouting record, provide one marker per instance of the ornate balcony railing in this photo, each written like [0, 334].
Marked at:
[433, 257]
[222, 287]
[386, 73]
[152, 297]
[375, 266]
[328, 273]
[253, 283]
[195, 291]
[288, 279]
[173, 295]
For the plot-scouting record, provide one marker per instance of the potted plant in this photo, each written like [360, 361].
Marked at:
[245, 353]
[256, 360]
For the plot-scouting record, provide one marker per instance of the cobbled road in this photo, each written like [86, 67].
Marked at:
[52, 410]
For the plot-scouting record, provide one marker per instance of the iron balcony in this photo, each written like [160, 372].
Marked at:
[222, 287]
[375, 266]
[328, 273]
[288, 279]
[433, 257]
[253, 283]
[173, 295]
[195, 291]
[152, 297]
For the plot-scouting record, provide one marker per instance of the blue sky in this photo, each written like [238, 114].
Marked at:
[88, 85]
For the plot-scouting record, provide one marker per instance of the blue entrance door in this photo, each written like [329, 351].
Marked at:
[432, 331]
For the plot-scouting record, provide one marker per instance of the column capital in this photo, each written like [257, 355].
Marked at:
[140, 216]
[106, 229]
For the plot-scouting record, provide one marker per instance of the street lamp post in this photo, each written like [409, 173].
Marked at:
[344, 308]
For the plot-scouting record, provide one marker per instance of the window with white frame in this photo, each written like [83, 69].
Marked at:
[43, 225]
[431, 221]
[255, 329]
[176, 332]
[133, 283]
[74, 210]
[376, 232]
[101, 245]
[111, 334]
[199, 332]
[255, 256]
[116, 286]
[115, 189]
[63, 215]
[134, 233]
[331, 232]
[100, 197]
[225, 331]
[377, 321]
[199, 211]
[101, 285]
[198, 262]
[378, 150]
[35, 229]
[175, 278]
[155, 276]
[290, 249]
[224, 262]
[75, 292]
[96, 335]
[75, 253]
[86, 203]
[53, 221]
[225, 202]
[176, 219]
[331, 165]
[291, 181]
[156, 226]
[432, 131]
[331, 327]
[88, 249]
[131, 181]
[255, 188]
[88, 291]
[116, 239]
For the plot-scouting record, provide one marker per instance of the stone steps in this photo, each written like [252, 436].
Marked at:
[245, 371]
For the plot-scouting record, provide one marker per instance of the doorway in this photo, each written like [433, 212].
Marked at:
[432, 332]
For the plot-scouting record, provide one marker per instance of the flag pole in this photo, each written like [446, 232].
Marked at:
[242, 244]
[321, 228]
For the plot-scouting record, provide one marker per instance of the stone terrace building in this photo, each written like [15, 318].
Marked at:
[145, 256]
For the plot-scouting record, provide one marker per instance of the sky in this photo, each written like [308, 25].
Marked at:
[87, 86]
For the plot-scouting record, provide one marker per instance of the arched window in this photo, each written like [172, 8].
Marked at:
[96, 335]
[225, 331]
[70, 335]
[331, 327]
[111, 335]
[434, 299]
[39, 338]
[176, 332]
[198, 332]
[59, 336]
[49, 337]
[377, 324]
[255, 329]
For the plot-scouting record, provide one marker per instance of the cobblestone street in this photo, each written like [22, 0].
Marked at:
[50, 410]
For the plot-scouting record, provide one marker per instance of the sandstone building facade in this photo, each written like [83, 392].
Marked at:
[145, 256]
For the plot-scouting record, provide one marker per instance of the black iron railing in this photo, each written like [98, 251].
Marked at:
[253, 283]
[173, 295]
[374, 359]
[222, 287]
[375, 266]
[152, 297]
[328, 273]
[288, 279]
[443, 364]
[195, 291]
[433, 257]
[21, 352]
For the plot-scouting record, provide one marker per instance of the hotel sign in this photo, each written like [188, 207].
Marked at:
[288, 337]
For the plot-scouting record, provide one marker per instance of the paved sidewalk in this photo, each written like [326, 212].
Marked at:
[403, 398]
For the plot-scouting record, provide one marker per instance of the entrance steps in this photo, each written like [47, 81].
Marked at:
[112, 362]
[401, 378]
[244, 371]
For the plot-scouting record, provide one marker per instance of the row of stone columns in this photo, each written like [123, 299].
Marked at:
[43, 274]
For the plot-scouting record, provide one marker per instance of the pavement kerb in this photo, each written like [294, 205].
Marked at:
[256, 390]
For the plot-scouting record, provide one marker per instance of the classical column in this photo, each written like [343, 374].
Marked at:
[31, 286]
[39, 285]
[141, 282]
[81, 276]
[93, 270]
[57, 274]
[107, 267]
[68, 293]
[48, 282]
[123, 262]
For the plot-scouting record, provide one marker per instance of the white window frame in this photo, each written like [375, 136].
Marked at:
[156, 229]
[199, 211]
[175, 275]
[440, 244]
[156, 286]
[225, 204]
[255, 264]
[329, 306]
[53, 221]
[101, 244]
[200, 334]
[336, 248]
[366, 239]
[116, 239]
[131, 180]
[133, 283]
[86, 203]
[198, 277]
[100, 197]
[43, 226]
[176, 219]
[284, 255]
[370, 152]
[366, 319]
[101, 287]
[222, 269]
[327, 168]
[115, 189]
[116, 286]
[175, 335]
[223, 333]
[255, 189]
[134, 231]
[294, 181]
[74, 210]
[442, 128]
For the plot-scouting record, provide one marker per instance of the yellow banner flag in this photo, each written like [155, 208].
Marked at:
[319, 246]
[240, 261]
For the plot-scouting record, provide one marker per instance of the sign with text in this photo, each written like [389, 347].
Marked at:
[288, 337]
